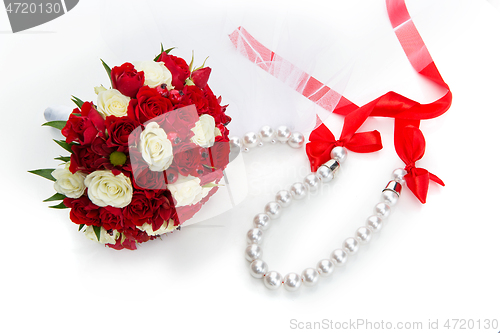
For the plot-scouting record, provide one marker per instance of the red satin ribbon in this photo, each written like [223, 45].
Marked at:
[410, 148]
[405, 111]
[322, 141]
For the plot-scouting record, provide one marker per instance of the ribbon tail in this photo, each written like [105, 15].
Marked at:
[436, 179]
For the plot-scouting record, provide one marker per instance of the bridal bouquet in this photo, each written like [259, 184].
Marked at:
[145, 156]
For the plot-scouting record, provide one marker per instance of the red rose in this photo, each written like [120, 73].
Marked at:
[148, 105]
[85, 159]
[119, 129]
[177, 67]
[196, 96]
[187, 159]
[137, 235]
[127, 80]
[146, 179]
[85, 126]
[185, 120]
[112, 218]
[83, 211]
[139, 211]
[163, 210]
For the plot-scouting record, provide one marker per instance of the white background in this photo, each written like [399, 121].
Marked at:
[430, 262]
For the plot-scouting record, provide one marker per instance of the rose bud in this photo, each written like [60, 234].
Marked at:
[175, 96]
[200, 77]
[163, 89]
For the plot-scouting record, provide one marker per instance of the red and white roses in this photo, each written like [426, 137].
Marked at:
[145, 156]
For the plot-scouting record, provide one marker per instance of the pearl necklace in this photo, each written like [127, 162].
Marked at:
[298, 191]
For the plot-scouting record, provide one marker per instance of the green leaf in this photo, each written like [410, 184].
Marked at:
[191, 63]
[59, 124]
[81, 226]
[77, 101]
[64, 145]
[161, 52]
[63, 158]
[108, 70]
[201, 65]
[57, 196]
[45, 173]
[97, 231]
[60, 206]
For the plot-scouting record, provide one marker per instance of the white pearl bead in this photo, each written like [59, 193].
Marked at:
[325, 267]
[363, 235]
[250, 140]
[310, 277]
[236, 143]
[374, 223]
[246, 150]
[298, 191]
[266, 133]
[254, 236]
[313, 183]
[283, 133]
[339, 257]
[273, 209]
[273, 280]
[382, 209]
[258, 268]
[296, 140]
[261, 221]
[284, 198]
[253, 252]
[324, 173]
[339, 154]
[390, 197]
[350, 246]
[399, 175]
[292, 281]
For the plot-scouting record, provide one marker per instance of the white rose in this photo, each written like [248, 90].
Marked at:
[111, 102]
[70, 184]
[167, 226]
[156, 148]
[106, 189]
[204, 131]
[104, 237]
[187, 190]
[155, 73]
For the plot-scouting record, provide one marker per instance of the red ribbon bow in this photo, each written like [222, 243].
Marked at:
[322, 141]
[410, 147]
